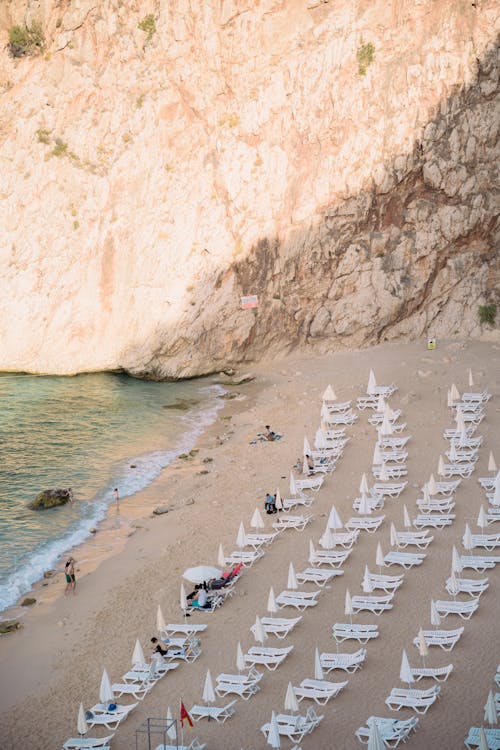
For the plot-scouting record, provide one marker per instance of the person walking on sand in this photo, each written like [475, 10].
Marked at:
[69, 572]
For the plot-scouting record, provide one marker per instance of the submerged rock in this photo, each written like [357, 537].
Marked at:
[50, 499]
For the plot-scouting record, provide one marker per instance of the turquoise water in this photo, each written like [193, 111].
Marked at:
[82, 432]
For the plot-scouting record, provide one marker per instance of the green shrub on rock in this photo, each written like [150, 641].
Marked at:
[26, 40]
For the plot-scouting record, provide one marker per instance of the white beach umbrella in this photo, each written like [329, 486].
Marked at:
[394, 536]
[482, 742]
[221, 558]
[320, 441]
[257, 522]
[455, 393]
[363, 485]
[272, 607]
[379, 558]
[324, 414]
[291, 702]
[293, 486]
[208, 689]
[312, 551]
[171, 725]
[386, 428]
[240, 658]
[384, 474]
[292, 583]
[279, 501]
[441, 466]
[138, 654]
[365, 507]
[427, 494]
[259, 633]
[327, 540]
[160, 620]
[460, 421]
[495, 500]
[106, 694]
[423, 649]
[467, 539]
[453, 585]
[389, 413]
[273, 736]
[456, 565]
[449, 400]
[405, 673]
[372, 383]
[307, 447]
[453, 452]
[435, 617]
[377, 455]
[334, 521]
[492, 466]
[348, 610]
[490, 709]
[183, 599]
[432, 485]
[318, 669]
[482, 519]
[471, 379]
[381, 405]
[241, 539]
[463, 439]
[367, 585]
[406, 518]
[81, 724]
[375, 741]
[329, 394]
[201, 573]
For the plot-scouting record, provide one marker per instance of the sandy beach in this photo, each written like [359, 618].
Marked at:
[55, 661]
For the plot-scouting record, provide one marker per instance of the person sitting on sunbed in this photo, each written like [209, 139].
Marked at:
[270, 504]
[269, 434]
[309, 464]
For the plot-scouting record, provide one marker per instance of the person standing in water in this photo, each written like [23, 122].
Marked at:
[69, 572]
[116, 496]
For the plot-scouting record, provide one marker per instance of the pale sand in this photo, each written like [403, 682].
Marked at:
[57, 659]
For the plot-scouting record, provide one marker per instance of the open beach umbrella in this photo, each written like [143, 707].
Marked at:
[171, 725]
[160, 620]
[377, 455]
[455, 393]
[456, 564]
[490, 709]
[273, 736]
[441, 466]
[405, 673]
[208, 689]
[384, 474]
[366, 584]
[348, 610]
[272, 607]
[406, 518]
[482, 742]
[240, 659]
[374, 739]
[372, 383]
[435, 617]
[201, 573]
[329, 394]
[279, 502]
[379, 558]
[363, 485]
[241, 539]
[292, 583]
[291, 702]
[318, 669]
[81, 724]
[422, 646]
[293, 486]
[365, 507]
[106, 694]
[394, 536]
[432, 485]
[334, 521]
[482, 519]
[257, 522]
[327, 541]
[221, 558]
[492, 466]
[259, 633]
[183, 599]
[471, 379]
[138, 654]
[467, 539]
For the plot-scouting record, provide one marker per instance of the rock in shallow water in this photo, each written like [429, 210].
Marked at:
[50, 499]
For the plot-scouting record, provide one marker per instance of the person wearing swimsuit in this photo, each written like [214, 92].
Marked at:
[69, 572]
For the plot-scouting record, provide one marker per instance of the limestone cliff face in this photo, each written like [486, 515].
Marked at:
[338, 159]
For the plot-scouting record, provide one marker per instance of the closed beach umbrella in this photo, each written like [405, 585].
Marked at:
[259, 633]
[432, 485]
[334, 521]
[374, 739]
[379, 558]
[495, 500]
[348, 605]
[365, 507]
[208, 689]
[171, 725]
[467, 540]
[381, 405]
[318, 669]
[293, 486]
[160, 620]
[272, 607]
[138, 654]
[449, 400]
[422, 646]
[372, 383]
[435, 617]
[427, 494]
[291, 702]
[386, 428]
[329, 394]
[460, 421]
[377, 456]
[320, 440]
[482, 519]
[106, 694]
[490, 709]
[81, 724]
[312, 551]
[453, 587]
[257, 522]
[455, 394]
[273, 737]
[292, 578]
[405, 673]
[456, 564]
[367, 585]
[363, 485]
[240, 659]
[492, 466]
[441, 466]
[241, 539]
[327, 541]
[384, 474]
[406, 517]
[394, 536]
[221, 558]
[183, 599]
[453, 452]
[471, 379]
[463, 440]
[307, 447]
[482, 742]
[279, 502]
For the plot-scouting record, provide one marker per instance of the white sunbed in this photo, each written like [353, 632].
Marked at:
[418, 700]
[387, 489]
[109, 719]
[445, 639]
[103, 708]
[462, 456]
[393, 442]
[482, 396]
[434, 505]
[433, 520]
[367, 402]
[458, 470]
[413, 539]
[152, 672]
[392, 731]
[246, 557]
[447, 488]
[329, 557]
[472, 586]
[295, 727]
[318, 576]
[439, 674]
[137, 690]
[219, 713]
[465, 610]
[394, 456]
[187, 628]
[195, 744]
[479, 563]
[487, 483]
[472, 417]
[313, 484]
[292, 522]
[385, 583]
[244, 685]
[392, 472]
[258, 540]
[301, 600]
[406, 559]
[365, 523]
[489, 542]
[378, 417]
[267, 656]
[75, 743]
[348, 418]
[374, 604]
[376, 502]
[344, 539]
[291, 502]
[336, 406]
[343, 631]
[320, 691]
[278, 626]
[451, 433]
[492, 738]
[349, 663]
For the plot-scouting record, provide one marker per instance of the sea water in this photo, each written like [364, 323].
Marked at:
[91, 433]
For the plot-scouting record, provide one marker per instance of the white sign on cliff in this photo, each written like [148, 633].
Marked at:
[249, 302]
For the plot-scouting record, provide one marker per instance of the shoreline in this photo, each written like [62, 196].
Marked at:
[56, 661]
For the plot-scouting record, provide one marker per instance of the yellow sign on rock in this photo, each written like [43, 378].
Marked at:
[431, 343]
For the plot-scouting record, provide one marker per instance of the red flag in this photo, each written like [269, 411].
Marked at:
[185, 716]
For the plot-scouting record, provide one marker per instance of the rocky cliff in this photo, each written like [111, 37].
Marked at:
[161, 158]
